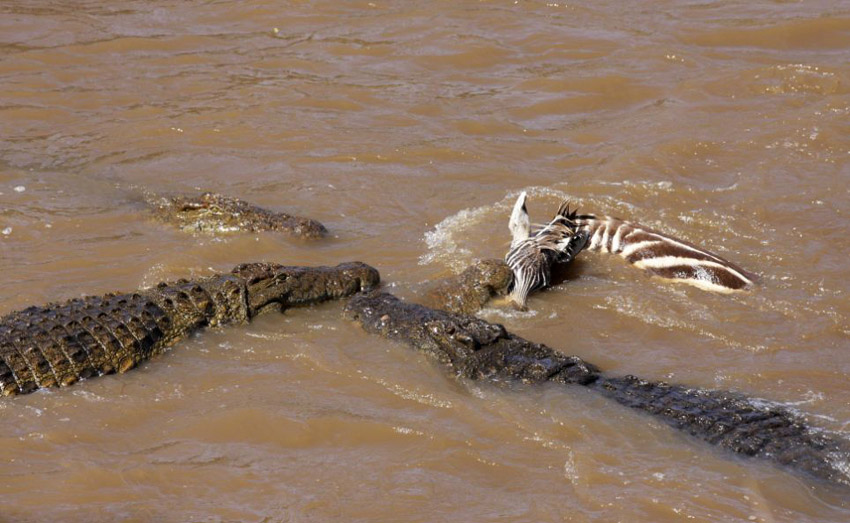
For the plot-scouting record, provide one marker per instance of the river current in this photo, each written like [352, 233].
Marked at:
[408, 128]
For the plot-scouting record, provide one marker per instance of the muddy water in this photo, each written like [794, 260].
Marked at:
[408, 128]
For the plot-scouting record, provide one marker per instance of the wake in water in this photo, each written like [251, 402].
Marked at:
[737, 326]
[656, 252]
[478, 232]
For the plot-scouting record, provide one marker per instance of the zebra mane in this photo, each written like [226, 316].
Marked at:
[564, 211]
[531, 258]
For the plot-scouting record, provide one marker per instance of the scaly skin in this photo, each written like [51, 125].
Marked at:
[212, 213]
[470, 290]
[478, 350]
[58, 344]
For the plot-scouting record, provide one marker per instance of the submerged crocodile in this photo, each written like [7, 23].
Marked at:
[212, 212]
[470, 290]
[476, 349]
[58, 344]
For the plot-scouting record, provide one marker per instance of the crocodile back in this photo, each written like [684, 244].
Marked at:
[58, 344]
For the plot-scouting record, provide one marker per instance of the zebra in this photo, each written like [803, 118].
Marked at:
[663, 255]
[532, 256]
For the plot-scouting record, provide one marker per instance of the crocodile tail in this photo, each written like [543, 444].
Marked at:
[735, 422]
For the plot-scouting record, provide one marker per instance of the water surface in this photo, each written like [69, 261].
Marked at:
[408, 129]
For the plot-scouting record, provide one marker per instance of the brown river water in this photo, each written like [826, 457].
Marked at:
[408, 129]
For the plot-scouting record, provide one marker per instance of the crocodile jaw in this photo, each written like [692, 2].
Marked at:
[270, 286]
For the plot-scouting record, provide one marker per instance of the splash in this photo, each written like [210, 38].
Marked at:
[449, 242]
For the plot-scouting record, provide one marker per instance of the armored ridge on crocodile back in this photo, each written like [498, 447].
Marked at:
[58, 344]
[214, 213]
[476, 349]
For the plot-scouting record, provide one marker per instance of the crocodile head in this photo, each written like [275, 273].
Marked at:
[270, 286]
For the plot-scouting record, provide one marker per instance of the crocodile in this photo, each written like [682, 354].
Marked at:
[472, 289]
[213, 213]
[57, 344]
[479, 350]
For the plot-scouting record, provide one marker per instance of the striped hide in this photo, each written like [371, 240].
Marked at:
[532, 256]
[663, 255]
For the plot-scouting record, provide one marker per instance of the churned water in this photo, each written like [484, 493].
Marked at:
[408, 128]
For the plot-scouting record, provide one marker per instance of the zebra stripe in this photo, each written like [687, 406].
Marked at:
[663, 255]
[531, 258]
[531, 268]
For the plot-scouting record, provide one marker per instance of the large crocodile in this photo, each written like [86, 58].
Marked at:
[58, 344]
[215, 213]
[476, 349]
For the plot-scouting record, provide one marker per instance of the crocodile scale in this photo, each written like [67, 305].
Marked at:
[478, 350]
[58, 344]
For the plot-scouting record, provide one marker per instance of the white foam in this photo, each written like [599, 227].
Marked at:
[408, 431]
[507, 313]
[570, 469]
[402, 392]
[446, 242]
[155, 274]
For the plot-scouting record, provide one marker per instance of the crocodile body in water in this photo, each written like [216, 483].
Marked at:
[214, 213]
[472, 289]
[58, 344]
[476, 349]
